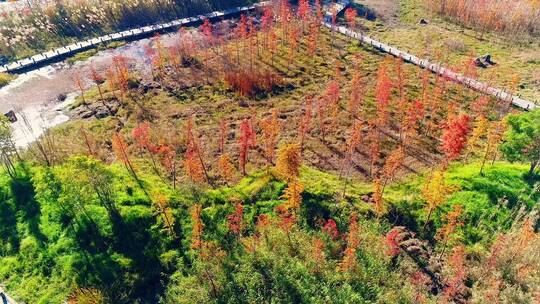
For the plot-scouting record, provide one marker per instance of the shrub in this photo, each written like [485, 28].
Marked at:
[5, 79]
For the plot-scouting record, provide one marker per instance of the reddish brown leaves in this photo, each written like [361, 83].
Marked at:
[357, 94]
[303, 9]
[193, 164]
[454, 135]
[382, 95]
[235, 220]
[267, 19]
[392, 243]
[330, 229]
[251, 83]
[455, 286]
[350, 16]
[247, 141]
[348, 263]
[141, 136]
[332, 96]
[120, 147]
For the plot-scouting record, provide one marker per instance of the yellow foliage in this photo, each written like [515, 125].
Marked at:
[293, 195]
[435, 190]
[289, 161]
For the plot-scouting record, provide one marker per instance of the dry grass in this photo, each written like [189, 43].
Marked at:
[512, 18]
[169, 102]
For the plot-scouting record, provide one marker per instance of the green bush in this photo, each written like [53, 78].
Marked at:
[5, 79]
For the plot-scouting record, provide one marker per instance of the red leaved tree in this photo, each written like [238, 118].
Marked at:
[303, 12]
[193, 163]
[330, 229]
[350, 16]
[98, 80]
[141, 136]
[247, 141]
[267, 23]
[235, 219]
[357, 94]
[413, 116]
[354, 139]
[332, 96]
[454, 137]
[382, 95]
[120, 149]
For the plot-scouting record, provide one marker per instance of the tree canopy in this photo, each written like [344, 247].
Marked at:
[522, 140]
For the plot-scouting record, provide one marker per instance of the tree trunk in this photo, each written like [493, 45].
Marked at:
[534, 164]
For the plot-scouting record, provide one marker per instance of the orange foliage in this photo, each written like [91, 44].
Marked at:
[348, 263]
[197, 227]
[293, 195]
[271, 128]
[235, 220]
[251, 83]
[225, 167]
[289, 162]
[247, 141]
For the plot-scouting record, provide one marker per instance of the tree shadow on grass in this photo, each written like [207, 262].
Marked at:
[26, 205]
[8, 225]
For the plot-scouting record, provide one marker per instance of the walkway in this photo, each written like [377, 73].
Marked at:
[36, 60]
[337, 7]
[426, 64]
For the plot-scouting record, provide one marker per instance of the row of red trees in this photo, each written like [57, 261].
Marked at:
[389, 127]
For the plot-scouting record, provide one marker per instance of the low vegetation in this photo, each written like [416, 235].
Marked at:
[5, 79]
[273, 161]
[514, 19]
[44, 25]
